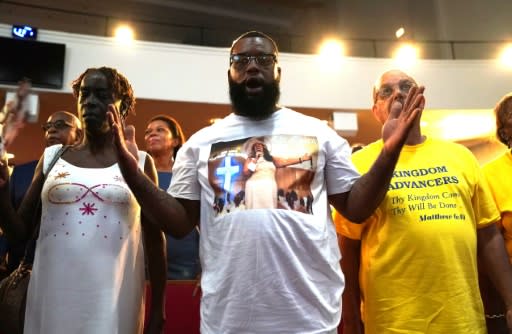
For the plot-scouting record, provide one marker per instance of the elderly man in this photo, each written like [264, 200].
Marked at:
[413, 264]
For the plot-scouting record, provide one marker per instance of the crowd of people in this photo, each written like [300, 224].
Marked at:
[290, 229]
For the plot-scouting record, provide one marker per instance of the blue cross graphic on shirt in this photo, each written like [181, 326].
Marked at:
[227, 171]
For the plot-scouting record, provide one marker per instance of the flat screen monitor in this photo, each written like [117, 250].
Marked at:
[41, 62]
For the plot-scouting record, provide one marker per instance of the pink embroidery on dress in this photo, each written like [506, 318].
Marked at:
[123, 196]
[88, 209]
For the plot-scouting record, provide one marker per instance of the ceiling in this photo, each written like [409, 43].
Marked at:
[443, 29]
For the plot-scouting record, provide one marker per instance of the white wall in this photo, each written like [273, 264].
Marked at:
[199, 74]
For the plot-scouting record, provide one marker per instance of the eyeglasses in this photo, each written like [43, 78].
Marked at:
[386, 91]
[240, 61]
[58, 125]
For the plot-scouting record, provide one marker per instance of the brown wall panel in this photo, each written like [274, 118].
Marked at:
[29, 144]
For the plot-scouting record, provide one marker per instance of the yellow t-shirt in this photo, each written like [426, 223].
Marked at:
[499, 176]
[418, 251]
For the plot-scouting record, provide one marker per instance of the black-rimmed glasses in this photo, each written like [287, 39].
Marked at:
[58, 125]
[242, 60]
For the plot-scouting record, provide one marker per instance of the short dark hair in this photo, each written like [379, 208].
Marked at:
[500, 111]
[174, 127]
[119, 85]
[254, 33]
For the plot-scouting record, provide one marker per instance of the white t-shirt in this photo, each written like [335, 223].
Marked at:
[267, 270]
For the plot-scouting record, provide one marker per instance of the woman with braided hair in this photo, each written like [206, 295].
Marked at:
[88, 272]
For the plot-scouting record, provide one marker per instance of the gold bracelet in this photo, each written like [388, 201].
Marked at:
[495, 316]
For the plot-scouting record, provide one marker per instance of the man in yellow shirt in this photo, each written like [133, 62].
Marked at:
[413, 264]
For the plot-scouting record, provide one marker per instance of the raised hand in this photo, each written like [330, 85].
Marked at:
[129, 139]
[402, 116]
[13, 116]
[124, 141]
[13, 107]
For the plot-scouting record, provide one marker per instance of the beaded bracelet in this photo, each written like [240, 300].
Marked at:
[495, 316]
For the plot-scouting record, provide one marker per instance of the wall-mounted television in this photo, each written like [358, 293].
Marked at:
[41, 62]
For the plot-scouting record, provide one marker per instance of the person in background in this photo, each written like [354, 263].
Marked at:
[265, 270]
[88, 271]
[412, 265]
[498, 174]
[164, 137]
[13, 116]
[62, 127]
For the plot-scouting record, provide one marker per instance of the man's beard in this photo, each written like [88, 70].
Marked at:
[254, 106]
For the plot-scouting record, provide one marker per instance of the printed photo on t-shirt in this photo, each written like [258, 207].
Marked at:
[268, 172]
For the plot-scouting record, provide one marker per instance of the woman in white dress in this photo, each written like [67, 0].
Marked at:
[88, 273]
[261, 186]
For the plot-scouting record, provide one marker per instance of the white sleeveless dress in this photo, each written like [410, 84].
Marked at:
[261, 187]
[88, 274]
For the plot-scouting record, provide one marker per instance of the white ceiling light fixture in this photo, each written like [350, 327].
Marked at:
[399, 32]
[124, 34]
[506, 56]
[406, 56]
[331, 54]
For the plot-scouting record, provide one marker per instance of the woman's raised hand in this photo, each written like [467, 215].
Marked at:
[124, 142]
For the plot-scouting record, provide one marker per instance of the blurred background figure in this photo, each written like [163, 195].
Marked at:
[13, 116]
[62, 127]
[164, 137]
[498, 174]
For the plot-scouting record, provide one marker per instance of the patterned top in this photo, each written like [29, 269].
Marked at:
[88, 273]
